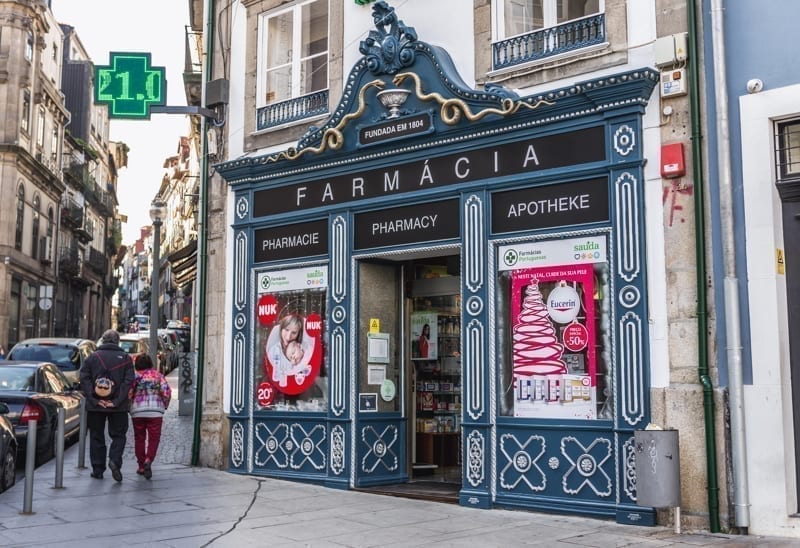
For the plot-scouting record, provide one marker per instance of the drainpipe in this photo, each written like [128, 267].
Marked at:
[202, 271]
[731, 293]
[700, 257]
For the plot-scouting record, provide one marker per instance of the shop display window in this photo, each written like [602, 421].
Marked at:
[290, 371]
[553, 329]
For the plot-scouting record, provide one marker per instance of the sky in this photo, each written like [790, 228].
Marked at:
[151, 26]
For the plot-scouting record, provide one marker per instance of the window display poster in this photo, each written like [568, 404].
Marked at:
[424, 334]
[290, 338]
[553, 341]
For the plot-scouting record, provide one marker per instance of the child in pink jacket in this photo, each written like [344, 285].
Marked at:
[150, 397]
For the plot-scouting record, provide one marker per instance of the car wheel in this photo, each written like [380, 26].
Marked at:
[8, 473]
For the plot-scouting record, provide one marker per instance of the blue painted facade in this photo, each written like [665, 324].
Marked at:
[758, 45]
[574, 466]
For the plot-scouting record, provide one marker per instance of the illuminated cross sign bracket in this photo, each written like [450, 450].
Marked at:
[130, 85]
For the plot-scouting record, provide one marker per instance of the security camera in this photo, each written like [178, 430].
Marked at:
[754, 85]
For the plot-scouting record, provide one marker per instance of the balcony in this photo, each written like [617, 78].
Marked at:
[98, 262]
[69, 262]
[72, 214]
[549, 42]
[286, 112]
[94, 193]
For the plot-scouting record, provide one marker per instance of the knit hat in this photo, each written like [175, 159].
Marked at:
[111, 336]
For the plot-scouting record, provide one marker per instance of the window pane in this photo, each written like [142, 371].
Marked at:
[553, 335]
[314, 73]
[523, 16]
[315, 28]
[279, 40]
[290, 372]
[279, 84]
[575, 9]
[789, 149]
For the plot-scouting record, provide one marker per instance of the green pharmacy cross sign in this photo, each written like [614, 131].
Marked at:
[130, 85]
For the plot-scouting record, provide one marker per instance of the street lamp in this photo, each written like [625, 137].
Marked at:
[158, 210]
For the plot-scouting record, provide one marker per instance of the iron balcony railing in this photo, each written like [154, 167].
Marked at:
[86, 183]
[292, 110]
[98, 262]
[544, 43]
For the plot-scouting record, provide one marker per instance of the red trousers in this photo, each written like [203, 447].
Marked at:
[146, 435]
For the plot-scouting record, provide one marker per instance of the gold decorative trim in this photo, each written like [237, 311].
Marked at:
[452, 109]
[332, 137]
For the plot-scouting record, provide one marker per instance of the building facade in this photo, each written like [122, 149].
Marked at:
[333, 194]
[58, 221]
[754, 146]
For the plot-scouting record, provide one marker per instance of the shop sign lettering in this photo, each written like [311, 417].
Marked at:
[291, 241]
[408, 224]
[516, 158]
[395, 129]
[546, 206]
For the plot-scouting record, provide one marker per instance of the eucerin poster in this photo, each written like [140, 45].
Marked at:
[553, 330]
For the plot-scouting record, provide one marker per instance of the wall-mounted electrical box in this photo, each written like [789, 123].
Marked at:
[673, 83]
[673, 163]
[671, 50]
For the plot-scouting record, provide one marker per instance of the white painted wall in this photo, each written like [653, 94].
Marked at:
[235, 149]
[769, 431]
[444, 23]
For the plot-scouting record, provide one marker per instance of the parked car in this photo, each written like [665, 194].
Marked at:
[136, 344]
[172, 346]
[184, 331]
[8, 450]
[67, 353]
[36, 390]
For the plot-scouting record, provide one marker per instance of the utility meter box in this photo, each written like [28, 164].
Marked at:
[658, 468]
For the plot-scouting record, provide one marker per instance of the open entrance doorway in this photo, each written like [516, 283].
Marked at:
[427, 313]
[434, 369]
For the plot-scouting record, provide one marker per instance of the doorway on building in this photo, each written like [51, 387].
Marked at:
[433, 305]
[424, 316]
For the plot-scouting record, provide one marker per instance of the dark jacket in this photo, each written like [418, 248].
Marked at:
[109, 360]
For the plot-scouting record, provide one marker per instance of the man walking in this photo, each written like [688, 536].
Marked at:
[106, 378]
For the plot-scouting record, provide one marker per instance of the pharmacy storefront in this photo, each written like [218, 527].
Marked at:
[447, 286]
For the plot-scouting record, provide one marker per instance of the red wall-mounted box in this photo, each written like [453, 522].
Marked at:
[673, 163]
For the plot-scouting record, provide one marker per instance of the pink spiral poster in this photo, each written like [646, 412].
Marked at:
[552, 341]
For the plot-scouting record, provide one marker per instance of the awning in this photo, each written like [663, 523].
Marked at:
[184, 264]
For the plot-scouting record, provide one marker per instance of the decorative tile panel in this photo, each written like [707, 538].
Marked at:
[631, 360]
[627, 227]
[237, 445]
[238, 380]
[337, 450]
[239, 273]
[339, 259]
[474, 242]
[380, 449]
[520, 463]
[338, 377]
[476, 457]
[473, 357]
[587, 466]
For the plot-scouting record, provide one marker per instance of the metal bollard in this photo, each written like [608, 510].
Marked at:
[82, 437]
[59, 483]
[30, 459]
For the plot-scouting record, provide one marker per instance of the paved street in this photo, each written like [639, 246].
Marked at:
[184, 506]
